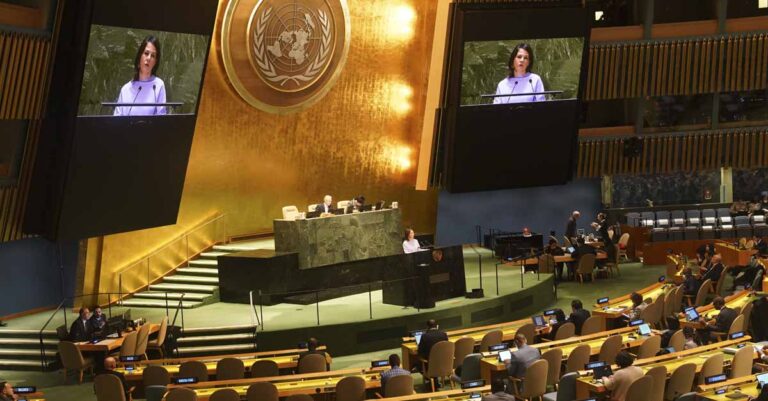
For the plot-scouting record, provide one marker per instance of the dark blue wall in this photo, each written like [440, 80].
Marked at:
[32, 274]
[541, 209]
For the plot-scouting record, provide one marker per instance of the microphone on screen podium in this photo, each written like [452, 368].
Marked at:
[134, 100]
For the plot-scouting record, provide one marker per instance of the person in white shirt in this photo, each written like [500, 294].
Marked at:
[410, 244]
[520, 79]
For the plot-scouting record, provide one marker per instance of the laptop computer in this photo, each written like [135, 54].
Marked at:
[505, 355]
[417, 336]
[312, 215]
[691, 314]
[644, 329]
[539, 321]
[762, 378]
[602, 371]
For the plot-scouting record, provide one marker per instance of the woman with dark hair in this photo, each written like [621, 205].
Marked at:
[520, 79]
[145, 87]
[410, 243]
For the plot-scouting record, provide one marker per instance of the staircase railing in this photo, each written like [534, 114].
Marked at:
[174, 254]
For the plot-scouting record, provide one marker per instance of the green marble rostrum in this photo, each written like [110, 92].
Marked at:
[330, 240]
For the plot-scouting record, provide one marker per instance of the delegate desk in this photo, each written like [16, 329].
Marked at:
[732, 255]
[707, 312]
[735, 389]
[585, 385]
[446, 395]
[110, 344]
[615, 308]
[330, 240]
[285, 359]
[490, 364]
[309, 383]
[410, 350]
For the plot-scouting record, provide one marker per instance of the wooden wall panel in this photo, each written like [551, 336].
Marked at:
[709, 150]
[24, 66]
[734, 62]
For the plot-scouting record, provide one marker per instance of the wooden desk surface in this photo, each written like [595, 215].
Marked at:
[735, 301]
[746, 385]
[617, 306]
[283, 362]
[409, 349]
[447, 395]
[216, 358]
[310, 383]
[111, 344]
[697, 356]
[732, 255]
[490, 363]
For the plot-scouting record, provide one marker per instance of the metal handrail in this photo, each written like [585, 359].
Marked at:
[40, 334]
[167, 245]
[144, 261]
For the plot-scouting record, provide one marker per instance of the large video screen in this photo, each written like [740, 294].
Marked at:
[140, 72]
[521, 70]
[512, 95]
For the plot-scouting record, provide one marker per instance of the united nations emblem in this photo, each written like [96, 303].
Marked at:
[282, 56]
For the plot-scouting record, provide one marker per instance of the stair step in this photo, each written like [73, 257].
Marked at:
[29, 341]
[217, 337]
[172, 296]
[220, 349]
[204, 262]
[234, 248]
[179, 287]
[182, 278]
[27, 354]
[25, 333]
[213, 255]
[23, 363]
[205, 271]
[191, 331]
[153, 303]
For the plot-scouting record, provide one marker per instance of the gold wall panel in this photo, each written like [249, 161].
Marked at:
[362, 138]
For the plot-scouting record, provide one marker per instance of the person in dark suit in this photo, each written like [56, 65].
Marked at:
[690, 283]
[760, 245]
[356, 204]
[570, 227]
[721, 322]
[578, 315]
[109, 369]
[312, 345]
[714, 272]
[432, 336]
[98, 320]
[602, 229]
[522, 358]
[326, 206]
[561, 320]
[81, 329]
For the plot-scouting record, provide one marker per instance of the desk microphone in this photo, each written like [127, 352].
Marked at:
[155, 97]
[530, 81]
[513, 88]
[134, 100]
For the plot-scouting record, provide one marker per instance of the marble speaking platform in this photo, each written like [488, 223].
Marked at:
[345, 238]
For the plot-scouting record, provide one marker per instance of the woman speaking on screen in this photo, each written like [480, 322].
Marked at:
[520, 80]
[145, 87]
